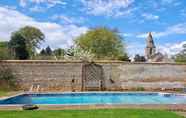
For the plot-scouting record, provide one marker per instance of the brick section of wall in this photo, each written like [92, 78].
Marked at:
[58, 75]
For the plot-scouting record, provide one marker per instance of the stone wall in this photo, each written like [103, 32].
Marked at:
[67, 75]
[149, 76]
[49, 75]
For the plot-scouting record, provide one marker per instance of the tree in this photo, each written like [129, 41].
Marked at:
[24, 42]
[103, 43]
[43, 52]
[59, 53]
[33, 38]
[77, 53]
[181, 56]
[48, 51]
[139, 58]
[70, 51]
[18, 46]
[4, 51]
[124, 57]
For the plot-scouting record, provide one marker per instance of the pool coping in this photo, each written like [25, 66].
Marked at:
[172, 107]
[8, 97]
[69, 92]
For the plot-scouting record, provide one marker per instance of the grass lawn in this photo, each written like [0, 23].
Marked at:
[111, 113]
[3, 93]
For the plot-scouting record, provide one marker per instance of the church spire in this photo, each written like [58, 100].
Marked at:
[150, 41]
[150, 48]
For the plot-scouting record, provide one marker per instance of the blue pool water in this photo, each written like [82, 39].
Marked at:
[96, 98]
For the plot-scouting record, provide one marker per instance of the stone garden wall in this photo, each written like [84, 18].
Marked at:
[49, 75]
[149, 76]
[67, 75]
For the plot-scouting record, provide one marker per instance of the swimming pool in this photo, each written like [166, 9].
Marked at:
[91, 98]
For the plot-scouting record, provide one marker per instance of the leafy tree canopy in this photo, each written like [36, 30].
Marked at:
[181, 56]
[18, 46]
[139, 58]
[3, 44]
[43, 52]
[77, 53]
[59, 53]
[32, 35]
[48, 51]
[4, 52]
[28, 38]
[103, 43]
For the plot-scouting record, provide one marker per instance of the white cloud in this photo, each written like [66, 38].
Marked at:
[175, 29]
[171, 49]
[22, 3]
[62, 17]
[67, 20]
[126, 34]
[37, 9]
[107, 7]
[148, 16]
[134, 48]
[183, 13]
[48, 3]
[56, 35]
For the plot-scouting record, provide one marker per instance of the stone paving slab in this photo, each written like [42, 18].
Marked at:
[182, 114]
[11, 94]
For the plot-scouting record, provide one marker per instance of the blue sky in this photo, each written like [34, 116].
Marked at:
[64, 20]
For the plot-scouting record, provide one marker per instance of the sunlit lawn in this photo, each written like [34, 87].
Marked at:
[3, 93]
[111, 113]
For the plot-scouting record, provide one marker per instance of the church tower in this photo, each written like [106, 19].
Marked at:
[150, 49]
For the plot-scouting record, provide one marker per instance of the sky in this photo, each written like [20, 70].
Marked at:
[63, 20]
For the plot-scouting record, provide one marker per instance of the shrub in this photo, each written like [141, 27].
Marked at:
[140, 89]
[139, 58]
[77, 53]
